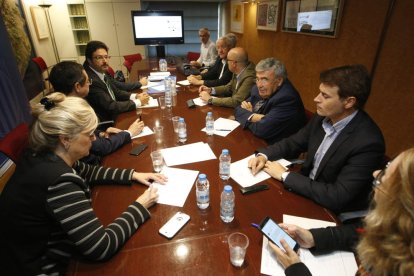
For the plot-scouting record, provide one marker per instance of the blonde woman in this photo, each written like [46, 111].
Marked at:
[45, 208]
[386, 245]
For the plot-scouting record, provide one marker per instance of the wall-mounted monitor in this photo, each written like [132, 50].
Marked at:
[158, 27]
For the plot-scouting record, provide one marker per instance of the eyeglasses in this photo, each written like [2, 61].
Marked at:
[100, 58]
[378, 179]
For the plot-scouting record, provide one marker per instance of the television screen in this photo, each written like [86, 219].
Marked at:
[158, 27]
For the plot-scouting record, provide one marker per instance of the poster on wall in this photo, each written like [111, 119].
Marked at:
[237, 17]
[39, 22]
[267, 15]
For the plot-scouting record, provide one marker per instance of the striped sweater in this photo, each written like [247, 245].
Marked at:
[46, 216]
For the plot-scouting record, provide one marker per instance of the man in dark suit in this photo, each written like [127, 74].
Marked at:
[238, 89]
[71, 79]
[106, 99]
[274, 109]
[343, 144]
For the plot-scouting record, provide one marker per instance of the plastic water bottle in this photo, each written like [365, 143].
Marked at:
[182, 131]
[209, 123]
[168, 92]
[203, 192]
[227, 204]
[163, 65]
[224, 167]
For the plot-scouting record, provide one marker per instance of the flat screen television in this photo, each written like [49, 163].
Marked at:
[158, 27]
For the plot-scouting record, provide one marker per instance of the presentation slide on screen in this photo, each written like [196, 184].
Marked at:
[157, 26]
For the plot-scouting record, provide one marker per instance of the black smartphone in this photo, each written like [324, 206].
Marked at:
[274, 233]
[138, 149]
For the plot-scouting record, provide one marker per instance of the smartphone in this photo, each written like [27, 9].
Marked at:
[274, 233]
[138, 149]
[176, 222]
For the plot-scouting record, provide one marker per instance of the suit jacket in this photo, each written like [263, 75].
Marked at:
[211, 77]
[284, 113]
[101, 101]
[232, 97]
[343, 180]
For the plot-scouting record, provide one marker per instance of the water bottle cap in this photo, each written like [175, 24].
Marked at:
[202, 176]
[228, 188]
[225, 151]
[181, 120]
[209, 113]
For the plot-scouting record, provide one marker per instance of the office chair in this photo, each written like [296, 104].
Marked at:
[111, 71]
[129, 61]
[192, 56]
[41, 64]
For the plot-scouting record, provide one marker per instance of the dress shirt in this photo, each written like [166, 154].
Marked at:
[208, 53]
[222, 68]
[332, 131]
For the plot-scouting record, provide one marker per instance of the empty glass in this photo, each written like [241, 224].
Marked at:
[238, 243]
[157, 161]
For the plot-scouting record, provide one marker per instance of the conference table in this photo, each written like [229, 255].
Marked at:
[201, 246]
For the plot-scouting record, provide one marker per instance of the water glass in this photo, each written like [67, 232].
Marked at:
[175, 123]
[159, 134]
[238, 243]
[157, 160]
[161, 100]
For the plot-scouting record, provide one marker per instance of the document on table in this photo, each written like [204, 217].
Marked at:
[223, 127]
[150, 84]
[176, 190]
[184, 82]
[240, 173]
[151, 103]
[343, 263]
[160, 88]
[146, 131]
[157, 76]
[186, 154]
[198, 101]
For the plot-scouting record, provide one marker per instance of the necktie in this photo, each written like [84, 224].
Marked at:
[108, 86]
[257, 107]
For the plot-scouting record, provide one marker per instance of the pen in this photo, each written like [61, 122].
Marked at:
[255, 225]
[223, 129]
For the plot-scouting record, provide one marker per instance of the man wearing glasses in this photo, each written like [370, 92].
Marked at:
[238, 89]
[343, 144]
[274, 109]
[106, 99]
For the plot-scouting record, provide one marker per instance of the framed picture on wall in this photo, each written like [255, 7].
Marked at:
[237, 16]
[267, 15]
[314, 17]
[39, 22]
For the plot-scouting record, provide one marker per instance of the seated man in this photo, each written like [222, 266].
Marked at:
[208, 53]
[238, 89]
[105, 98]
[219, 73]
[71, 79]
[274, 109]
[343, 145]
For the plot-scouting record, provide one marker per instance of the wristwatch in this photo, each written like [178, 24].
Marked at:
[210, 101]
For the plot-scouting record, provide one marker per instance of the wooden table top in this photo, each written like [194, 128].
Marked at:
[201, 246]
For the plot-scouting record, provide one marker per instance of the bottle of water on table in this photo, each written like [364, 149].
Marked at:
[224, 167]
[209, 123]
[182, 131]
[163, 65]
[227, 204]
[203, 192]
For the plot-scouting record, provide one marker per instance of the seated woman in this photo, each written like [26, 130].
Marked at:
[386, 244]
[219, 73]
[45, 208]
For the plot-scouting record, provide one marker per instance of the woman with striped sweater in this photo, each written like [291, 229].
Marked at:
[45, 209]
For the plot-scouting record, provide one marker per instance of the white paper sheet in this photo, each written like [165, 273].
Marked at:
[146, 131]
[186, 154]
[184, 82]
[159, 73]
[176, 190]
[150, 84]
[198, 101]
[223, 127]
[151, 103]
[342, 263]
[240, 173]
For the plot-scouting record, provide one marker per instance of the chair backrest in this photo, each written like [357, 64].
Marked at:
[41, 63]
[128, 65]
[308, 114]
[132, 58]
[111, 71]
[15, 142]
[192, 56]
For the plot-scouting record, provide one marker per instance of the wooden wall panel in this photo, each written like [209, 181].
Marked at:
[358, 41]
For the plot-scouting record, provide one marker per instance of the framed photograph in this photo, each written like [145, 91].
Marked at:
[267, 15]
[237, 16]
[39, 22]
[314, 17]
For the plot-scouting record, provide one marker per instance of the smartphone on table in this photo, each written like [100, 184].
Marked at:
[275, 233]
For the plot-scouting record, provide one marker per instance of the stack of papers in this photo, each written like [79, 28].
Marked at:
[186, 154]
[223, 127]
[240, 173]
[343, 263]
[157, 76]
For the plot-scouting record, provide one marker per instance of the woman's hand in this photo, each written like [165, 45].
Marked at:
[303, 236]
[145, 178]
[286, 258]
[149, 197]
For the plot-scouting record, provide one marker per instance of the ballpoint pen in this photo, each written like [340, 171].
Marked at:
[255, 225]
[223, 129]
